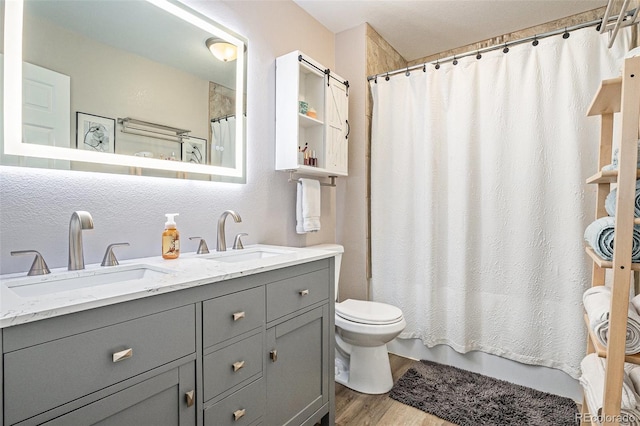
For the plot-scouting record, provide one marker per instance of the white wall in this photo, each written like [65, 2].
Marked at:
[36, 204]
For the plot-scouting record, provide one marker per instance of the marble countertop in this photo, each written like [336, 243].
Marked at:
[189, 270]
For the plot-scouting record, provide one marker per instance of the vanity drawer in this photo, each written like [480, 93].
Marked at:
[292, 294]
[229, 316]
[44, 376]
[230, 366]
[240, 408]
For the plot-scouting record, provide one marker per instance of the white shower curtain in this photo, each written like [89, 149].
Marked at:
[478, 200]
[223, 140]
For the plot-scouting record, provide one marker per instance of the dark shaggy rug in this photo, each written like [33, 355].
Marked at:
[467, 398]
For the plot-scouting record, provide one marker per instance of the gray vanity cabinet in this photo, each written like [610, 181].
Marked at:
[299, 362]
[151, 402]
[233, 340]
[76, 369]
[246, 351]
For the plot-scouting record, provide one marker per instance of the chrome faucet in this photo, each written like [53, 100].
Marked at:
[222, 243]
[79, 220]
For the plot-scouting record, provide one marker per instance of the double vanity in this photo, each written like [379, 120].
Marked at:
[242, 337]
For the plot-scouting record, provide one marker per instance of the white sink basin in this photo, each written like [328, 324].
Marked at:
[86, 278]
[245, 255]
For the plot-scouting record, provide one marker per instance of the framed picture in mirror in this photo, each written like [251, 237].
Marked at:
[194, 150]
[95, 133]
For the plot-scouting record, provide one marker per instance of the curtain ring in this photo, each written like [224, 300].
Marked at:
[387, 77]
[535, 40]
[455, 60]
[506, 49]
[566, 34]
[437, 65]
[478, 56]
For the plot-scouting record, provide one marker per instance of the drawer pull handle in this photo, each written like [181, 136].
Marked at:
[304, 292]
[238, 365]
[190, 397]
[237, 415]
[238, 316]
[122, 355]
[273, 355]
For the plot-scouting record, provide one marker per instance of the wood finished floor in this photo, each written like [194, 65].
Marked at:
[357, 409]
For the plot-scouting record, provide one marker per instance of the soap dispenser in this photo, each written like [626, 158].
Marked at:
[170, 238]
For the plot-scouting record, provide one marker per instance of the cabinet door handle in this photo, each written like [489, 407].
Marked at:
[237, 365]
[304, 292]
[190, 397]
[122, 355]
[238, 315]
[273, 355]
[237, 415]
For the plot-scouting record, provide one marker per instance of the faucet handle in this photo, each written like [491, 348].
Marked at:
[202, 247]
[38, 267]
[237, 242]
[109, 258]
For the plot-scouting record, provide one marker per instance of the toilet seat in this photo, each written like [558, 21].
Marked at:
[366, 312]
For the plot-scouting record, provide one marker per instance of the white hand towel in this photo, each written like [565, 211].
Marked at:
[592, 381]
[308, 206]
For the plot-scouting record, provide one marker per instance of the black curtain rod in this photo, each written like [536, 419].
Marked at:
[478, 52]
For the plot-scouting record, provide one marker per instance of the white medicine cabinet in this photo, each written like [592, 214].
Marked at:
[312, 125]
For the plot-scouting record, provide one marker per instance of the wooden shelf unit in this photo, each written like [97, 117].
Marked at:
[618, 95]
[606, 264]
[607, 176]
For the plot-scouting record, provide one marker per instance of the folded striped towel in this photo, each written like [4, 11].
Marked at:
[610, 201]
[597, 304]
[600, 235]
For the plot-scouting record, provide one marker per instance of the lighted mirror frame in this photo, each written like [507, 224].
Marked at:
[13, 24]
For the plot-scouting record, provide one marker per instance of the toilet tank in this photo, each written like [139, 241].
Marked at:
[338, 249]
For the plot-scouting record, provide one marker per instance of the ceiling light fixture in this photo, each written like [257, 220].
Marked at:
[222, 49]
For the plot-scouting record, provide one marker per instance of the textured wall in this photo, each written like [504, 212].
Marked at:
[35, 205]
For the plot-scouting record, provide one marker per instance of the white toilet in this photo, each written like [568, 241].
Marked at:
[363, 330]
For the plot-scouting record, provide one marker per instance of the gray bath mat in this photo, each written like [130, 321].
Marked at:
[467, 398]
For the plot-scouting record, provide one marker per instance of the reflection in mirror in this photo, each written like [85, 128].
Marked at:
[123, 86]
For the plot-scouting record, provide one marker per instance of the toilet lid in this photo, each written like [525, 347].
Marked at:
[365, 312]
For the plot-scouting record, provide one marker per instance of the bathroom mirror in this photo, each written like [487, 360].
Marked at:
[122, 87]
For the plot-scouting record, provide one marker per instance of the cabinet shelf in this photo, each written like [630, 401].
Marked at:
[315, 171]
[606, 264]
[601, 350]
[608, 176]
[306, 121]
